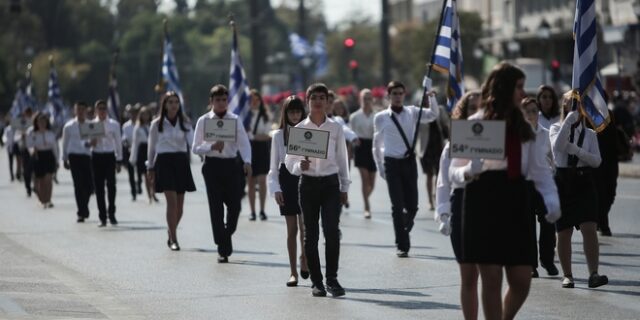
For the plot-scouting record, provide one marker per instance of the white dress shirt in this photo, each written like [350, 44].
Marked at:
[444, 186]
[171, 139]
[263, 128]
[362, 124]
[71, 141]
[387, 140]
[546, 123]
[588, 155]
[202, 147]
[42, 141]
[349, 135]
[534, 167]
[112, 140]
[127, 133]
[140, 135]
[336, 162]
[278, 153]
[7, 138]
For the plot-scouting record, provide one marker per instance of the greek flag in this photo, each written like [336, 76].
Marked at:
[587, 88]
[55, 107]
[447, 58]
[170, 71]
[322, 59]
[239, 94]
[113, 102]
[300, 47]
[23, 98]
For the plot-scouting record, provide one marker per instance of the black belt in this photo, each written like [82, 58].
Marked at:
[320, 178]
[390, 159]
[582, 171]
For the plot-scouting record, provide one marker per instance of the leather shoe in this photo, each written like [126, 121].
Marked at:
[567, 282]
[252, 217]
[335, 288]
[317, 290]
[293, 281]
[80, 220]
[102, 224]
[605, 232]
[263, 216]
[223, 259]
[402, 254]
[551, 269]
[596, 280]
[113, 221]
[304, 274]
[174, 246]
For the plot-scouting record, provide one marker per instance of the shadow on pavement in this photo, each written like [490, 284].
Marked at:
[391, 291]
[378, 246]
[409, 304]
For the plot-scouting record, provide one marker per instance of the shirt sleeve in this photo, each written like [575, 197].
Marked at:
[152, 145]
[428, 114]
[200, 146]
[273, 177]
[189, 135]
[443, 184]
[378, 141]
[342, 161]
[134, 146]
[590, 153]
[540, 173]
[65, 143]
[244, 146]
[118, 140]
[292, 162]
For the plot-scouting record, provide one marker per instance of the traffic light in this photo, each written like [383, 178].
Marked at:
[353, 64]
[555, 71]
[349, 43]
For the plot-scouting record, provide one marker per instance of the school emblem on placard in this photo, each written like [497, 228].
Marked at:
[308, 142]
[220, 124]
[308, 135]
[477, 128]
[477, 139]
[91, 126]
[220, 130]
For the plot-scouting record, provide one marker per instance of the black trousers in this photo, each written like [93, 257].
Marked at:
[546, 242]
[402, 181]
[10, 156]
[104, 170]
[82, 176]
[320, 196]
[223, 188]
[131, 171]
[27, 169]
[607, 177]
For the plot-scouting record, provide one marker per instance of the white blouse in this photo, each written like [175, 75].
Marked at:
[139, 135]
[362, 124]
[42, 141]
[171, 139]
[263, 128]
[588, 155]
[111, 142]
[278, 153]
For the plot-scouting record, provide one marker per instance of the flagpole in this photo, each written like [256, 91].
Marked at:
[160, 86]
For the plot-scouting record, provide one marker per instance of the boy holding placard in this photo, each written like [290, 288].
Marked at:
[219, 136]
[324, 183]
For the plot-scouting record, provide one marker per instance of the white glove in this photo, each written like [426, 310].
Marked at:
[474, 168]
[445, 226]
[552, 217]
[572, 117]
[572, 148]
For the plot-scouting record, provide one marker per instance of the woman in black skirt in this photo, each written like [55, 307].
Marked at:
[284, 186]
[575, 153]
[168, 167]
[43, 147]
[259, 128]
[361, 122]
[496, 222]
[139, 147]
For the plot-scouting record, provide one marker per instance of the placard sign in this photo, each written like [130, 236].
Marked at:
[220, 129]
[91, 130]
[471, 139]
[308, 142]
[20, 124]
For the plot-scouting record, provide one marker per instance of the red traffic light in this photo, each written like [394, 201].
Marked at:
[353, 64]
[349, 43]
[555, 64]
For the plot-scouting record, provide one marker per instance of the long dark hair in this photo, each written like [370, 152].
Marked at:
[497, 99]
[35, 121]
[555, 106]
[163, 111]
[461, 110]
[262, 110]
[290, 103]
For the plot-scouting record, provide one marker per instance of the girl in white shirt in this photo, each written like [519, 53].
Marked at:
[43, 147]
[168, 165]
[361, 122]
[284, 185]
[258, 131]
[139, 148]
[549, 106]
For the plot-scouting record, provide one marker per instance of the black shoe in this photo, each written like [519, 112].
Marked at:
[534, 273]
[263, 216]
[80, 220]
[335, 288]
[402, 254]
[102, 224]
[252, 217]
[605, 232]
[317, 290]
[113, 221]
[567, 282]
[551, 269]
[304, 274]
[139, 190]
[174, 246]
[223, 259]
[293, 281]
[596, 280]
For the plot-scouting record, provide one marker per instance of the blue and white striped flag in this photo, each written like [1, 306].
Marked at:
[300, 47]
[322, 59]
[23, 98]
[170, 71]
[113, 102]
[587, 88]
[239, 92]
[55, 106]
[448, 53]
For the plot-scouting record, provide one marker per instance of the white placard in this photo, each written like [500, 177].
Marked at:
[20, 124]
[220, 130]
[471, 139]
[91, 130]
[308, 142]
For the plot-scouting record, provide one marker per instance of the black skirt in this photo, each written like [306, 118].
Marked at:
[44, 163]
[578, 197]
[289, 187]
[173, 173]
[141, 160]
[456, 223]
[496, 220]
[363, 155]
[260, 153]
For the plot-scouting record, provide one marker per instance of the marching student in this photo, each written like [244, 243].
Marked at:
[127, 146]
[323, 188]
[549, 106]
[168, 168]
[396, 161]
[220, 170]
[432, 138]
[139, 148]
[284, 186]
[76, 156]
[106, 155]
[258, 132]
[43, 147]
[361, 122]
[496, 215]
[545, 247]
[20, 136]
[449, 196]
[575, 153]
[12, 147]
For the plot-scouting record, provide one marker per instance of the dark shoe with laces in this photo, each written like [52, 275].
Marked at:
[596, 280]
[551, 269]
[317, 290]
[334, 287]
